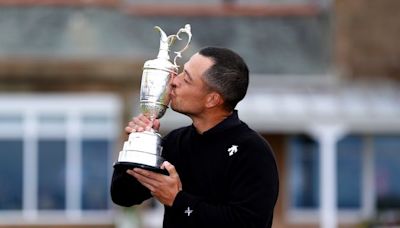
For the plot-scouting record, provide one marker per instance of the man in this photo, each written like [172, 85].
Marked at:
[221, 173]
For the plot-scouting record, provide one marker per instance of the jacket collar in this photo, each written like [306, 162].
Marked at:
[229, 122]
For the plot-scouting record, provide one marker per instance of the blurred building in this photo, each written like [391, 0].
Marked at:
[324, 91]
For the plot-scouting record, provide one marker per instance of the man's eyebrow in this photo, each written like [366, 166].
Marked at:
[189, 76]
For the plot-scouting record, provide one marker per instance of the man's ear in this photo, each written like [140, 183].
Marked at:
[214, 99]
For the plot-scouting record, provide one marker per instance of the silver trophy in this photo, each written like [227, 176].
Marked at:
[143, 149]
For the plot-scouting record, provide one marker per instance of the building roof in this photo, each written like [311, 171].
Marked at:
[274, 44]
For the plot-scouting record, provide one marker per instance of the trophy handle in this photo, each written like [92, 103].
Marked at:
[167, 41]
[171, 40]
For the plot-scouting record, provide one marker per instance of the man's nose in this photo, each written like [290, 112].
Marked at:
[174, 81]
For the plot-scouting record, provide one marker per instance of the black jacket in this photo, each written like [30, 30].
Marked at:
[229, 178]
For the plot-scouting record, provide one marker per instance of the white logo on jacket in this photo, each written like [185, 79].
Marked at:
[188, 211]
[233, 149]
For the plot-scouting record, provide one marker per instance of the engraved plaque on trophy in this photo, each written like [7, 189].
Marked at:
[143, 149]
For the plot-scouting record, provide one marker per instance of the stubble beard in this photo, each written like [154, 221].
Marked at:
[177, 109]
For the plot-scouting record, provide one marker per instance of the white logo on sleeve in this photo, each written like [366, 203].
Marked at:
[233, 149]
[188, 211]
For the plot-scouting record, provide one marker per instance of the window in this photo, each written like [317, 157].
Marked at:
[51, 174]
[387, 169]
[56, 157]
[367, 177]
[10, 174]
[349, 168]
[304, 183]
[95, 159]
[304, 172]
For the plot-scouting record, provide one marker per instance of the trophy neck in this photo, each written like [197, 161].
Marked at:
[164, 45]
[163, 52]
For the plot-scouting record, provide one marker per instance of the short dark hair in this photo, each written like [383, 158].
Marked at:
[229, 75]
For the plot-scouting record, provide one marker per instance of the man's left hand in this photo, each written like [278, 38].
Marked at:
[162, 187]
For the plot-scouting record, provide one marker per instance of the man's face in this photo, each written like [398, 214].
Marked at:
[189, 91]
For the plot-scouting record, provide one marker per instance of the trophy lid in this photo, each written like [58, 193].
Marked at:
[162, 62]
[167, 41]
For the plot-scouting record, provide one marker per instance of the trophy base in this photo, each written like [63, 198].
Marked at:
[131, 165]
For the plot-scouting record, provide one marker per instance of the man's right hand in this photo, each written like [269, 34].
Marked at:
[142, 123]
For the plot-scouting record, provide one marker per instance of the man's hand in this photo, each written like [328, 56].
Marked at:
[142, 123]
[162, 187]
